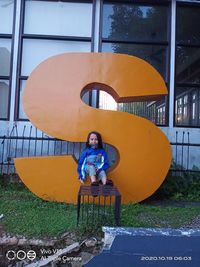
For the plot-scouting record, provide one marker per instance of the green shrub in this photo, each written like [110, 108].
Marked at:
[180, 186]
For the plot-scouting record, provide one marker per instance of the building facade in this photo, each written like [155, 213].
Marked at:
[164, 33]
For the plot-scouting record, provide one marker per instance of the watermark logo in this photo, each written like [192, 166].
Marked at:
[31, 255]
[20, 255]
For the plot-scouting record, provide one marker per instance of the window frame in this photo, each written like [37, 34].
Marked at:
[23, 36]
[183, 85]
[8, 78]
[167, 43]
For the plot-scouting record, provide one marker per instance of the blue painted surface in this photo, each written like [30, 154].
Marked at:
[156, 248]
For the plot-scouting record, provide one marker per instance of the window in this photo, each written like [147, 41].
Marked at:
[62, 18]
[66, 27]
[187, 86]
[187, 106]
[106, 101]
[42, 49]
[6, 34]
[141, 30]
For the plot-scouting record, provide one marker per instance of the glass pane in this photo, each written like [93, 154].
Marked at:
[4, 94]
[187, 112]
[188, 64]
[6, 16]
[86, 98]
[135, 22]
[61, 18]
[5, 55]
[22, 114]
[154, 54]
[154, 111]
[106, 101]
[188, 19]
[35, 51]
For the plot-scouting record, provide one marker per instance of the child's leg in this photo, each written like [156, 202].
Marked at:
[102, 177]
[91, 171]
[93, 178]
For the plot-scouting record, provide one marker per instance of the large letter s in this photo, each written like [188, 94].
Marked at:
[52, 101]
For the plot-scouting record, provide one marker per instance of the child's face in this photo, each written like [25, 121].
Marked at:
[93, 139]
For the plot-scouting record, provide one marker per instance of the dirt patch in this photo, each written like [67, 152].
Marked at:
[21, 255]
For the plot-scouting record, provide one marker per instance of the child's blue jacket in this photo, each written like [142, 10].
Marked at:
[100, 153]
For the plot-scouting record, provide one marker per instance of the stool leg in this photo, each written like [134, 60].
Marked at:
[117, 210]
[78, 208]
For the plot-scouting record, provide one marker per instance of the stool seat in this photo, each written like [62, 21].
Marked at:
[99, 190]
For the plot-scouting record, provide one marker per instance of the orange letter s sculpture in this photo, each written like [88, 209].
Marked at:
[52, 101]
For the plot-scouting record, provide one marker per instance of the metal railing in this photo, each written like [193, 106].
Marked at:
[33, 143]
[185, 154]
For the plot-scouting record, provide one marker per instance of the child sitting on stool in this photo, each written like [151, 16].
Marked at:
[94, 161]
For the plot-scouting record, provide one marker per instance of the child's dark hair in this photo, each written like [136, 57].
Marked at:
[99, 138]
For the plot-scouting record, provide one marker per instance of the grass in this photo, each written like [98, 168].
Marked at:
[27, 215]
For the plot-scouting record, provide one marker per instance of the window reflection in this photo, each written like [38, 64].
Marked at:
[188, 18]
[61, 18]
[187, 102]
[6, 16]
[187, 105]
[4, 93]
[142, 31]
[134, 22]
[42, 49]
[6, 30]
[22, 114]
[154, 111]
[188, 64]
[5, 55]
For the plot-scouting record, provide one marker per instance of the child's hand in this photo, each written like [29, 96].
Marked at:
[81, 180]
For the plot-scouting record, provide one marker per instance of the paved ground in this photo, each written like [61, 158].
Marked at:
[149, 247]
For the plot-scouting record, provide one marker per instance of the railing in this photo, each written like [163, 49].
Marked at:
[33, 143]
[185, 154]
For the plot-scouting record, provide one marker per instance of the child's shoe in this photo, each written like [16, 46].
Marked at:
[109, 182]
[107, 187]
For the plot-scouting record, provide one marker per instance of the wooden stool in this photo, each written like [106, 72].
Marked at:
[94, 203]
